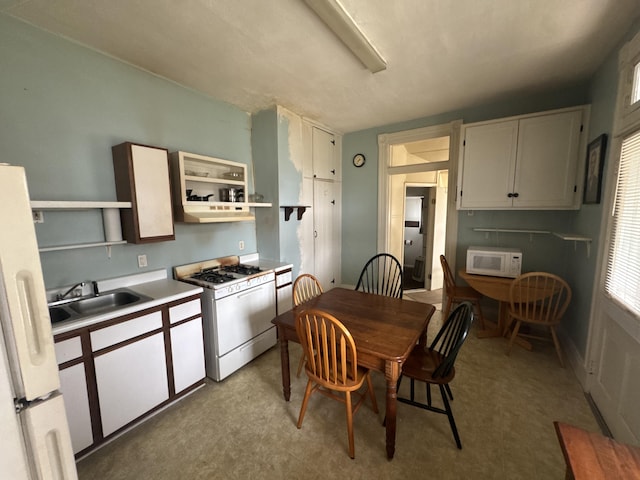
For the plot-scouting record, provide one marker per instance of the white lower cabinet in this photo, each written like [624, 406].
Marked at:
[130, 359]
[73, 384]
[131, 380]
[187, 352]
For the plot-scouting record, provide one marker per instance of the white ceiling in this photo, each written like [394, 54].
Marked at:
[442, 55]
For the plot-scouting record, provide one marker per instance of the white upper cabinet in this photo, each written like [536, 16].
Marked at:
[531, 162]
[324, 155]
[488, 165]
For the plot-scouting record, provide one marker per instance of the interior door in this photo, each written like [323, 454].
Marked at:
[413, 228]
[437, 231]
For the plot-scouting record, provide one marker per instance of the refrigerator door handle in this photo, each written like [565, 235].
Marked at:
[24, 311]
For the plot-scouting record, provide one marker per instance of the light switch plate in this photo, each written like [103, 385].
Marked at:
[142, 261]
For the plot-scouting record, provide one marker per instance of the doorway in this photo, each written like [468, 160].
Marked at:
[424, 234]
[423, 158]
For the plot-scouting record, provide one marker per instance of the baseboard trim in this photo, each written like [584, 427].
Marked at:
[604, 428]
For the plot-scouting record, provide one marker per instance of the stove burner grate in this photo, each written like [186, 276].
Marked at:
[242, 269]
[213, 276]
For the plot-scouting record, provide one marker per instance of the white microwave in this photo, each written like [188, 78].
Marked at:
[494, 261]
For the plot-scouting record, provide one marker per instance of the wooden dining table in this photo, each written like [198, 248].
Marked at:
[384, 329]
[498, 289]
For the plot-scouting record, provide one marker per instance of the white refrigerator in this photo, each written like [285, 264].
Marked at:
[35, 439]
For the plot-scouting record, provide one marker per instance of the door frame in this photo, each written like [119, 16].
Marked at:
[385, 143]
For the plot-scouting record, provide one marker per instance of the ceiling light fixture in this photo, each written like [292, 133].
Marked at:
[342, 24]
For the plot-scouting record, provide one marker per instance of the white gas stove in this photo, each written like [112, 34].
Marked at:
[238, 304]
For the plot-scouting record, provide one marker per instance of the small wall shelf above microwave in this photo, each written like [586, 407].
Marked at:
[564, 236]
[512, 230]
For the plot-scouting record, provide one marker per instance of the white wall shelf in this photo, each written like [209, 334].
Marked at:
[82, 245]
[39, 205]
[564, 236]
[512, 230]
[576, 238]
[75, 205]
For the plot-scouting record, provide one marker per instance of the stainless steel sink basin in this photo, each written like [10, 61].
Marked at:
[105, 301]
[58, 314]
[76, 308]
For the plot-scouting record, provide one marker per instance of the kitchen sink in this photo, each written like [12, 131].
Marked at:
[104, 301]
[58, 314]
[76, 308]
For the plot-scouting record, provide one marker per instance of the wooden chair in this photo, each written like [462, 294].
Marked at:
[332, 365]
[538, 298]
[381, 275]
[435, 364]
[305, 288]
[457, 294]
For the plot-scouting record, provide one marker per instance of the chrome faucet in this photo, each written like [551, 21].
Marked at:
[64, 295]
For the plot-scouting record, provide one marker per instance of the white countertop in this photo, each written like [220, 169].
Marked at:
[160, 290]
[266, 264]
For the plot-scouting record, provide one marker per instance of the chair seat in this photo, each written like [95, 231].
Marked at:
[349, 384]
[421, 365]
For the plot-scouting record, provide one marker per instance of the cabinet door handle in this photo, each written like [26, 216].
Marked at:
[333, 202]
[333, 171]
[509, 194]
[516, 194]
[315, 234]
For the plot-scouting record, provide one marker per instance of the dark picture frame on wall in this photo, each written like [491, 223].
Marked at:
[593, 170]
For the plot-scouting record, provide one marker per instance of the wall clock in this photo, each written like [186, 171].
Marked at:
[358, 160]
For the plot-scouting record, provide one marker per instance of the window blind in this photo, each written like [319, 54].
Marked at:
[623, 266]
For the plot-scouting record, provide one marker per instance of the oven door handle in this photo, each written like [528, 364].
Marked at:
[249, 292]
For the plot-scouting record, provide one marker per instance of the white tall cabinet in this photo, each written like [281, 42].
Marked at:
[302, 160]
[326, 209]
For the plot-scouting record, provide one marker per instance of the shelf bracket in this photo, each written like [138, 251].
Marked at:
[288, 210]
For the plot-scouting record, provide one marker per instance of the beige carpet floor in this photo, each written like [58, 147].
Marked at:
[242, 428]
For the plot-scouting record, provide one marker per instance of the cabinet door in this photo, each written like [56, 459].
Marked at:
[131, 380]
[324, 214]
[323, 153]
[284, 299]
[142, 178]
[187, 354]
[547, 161]
[73, 385]
[488, 165]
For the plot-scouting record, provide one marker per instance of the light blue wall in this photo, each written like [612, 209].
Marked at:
[264, 140]
[360, 186]
[589, 221]
[278, 177]
[63, 107]
[539, 252]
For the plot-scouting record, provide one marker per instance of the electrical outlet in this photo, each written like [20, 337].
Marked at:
[142, 261]
[38, 216]
[241, 245]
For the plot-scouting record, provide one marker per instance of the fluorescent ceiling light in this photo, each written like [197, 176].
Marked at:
[340, 22]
